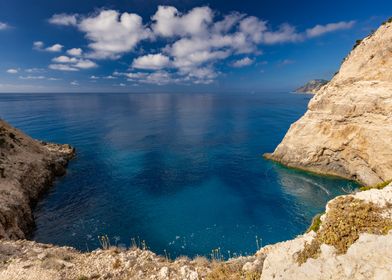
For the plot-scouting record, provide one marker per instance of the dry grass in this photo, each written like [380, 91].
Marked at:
[346, 219]
[116, 264]
[231, 271]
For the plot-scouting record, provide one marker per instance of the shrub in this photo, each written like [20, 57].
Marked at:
[316, 223]
[377, 186]
[346, 219]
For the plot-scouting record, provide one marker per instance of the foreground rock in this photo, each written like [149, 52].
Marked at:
[27, 169]
[367, 256]
[347, 129]
[312, 86]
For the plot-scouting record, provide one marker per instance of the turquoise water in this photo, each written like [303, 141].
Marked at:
[183, 172]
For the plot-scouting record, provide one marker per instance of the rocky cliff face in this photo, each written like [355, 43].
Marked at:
[347, 129]
[312, 86]
[27, 168]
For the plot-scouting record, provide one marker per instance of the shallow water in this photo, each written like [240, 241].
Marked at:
[183, 172]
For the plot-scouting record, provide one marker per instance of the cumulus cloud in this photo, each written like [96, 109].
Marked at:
[168, 21]
[75, 52]
[246, 61]
[151, 61]
[62, 67]
[285, 33]
[40, 46]
[54, 48]
[196, 41]
[63, 19]
[12, 71]
[3, 26]
[74, 83]
[319, 30]
[73, 63]
[65, 59]
[112, 33]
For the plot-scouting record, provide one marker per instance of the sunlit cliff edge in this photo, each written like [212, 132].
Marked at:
[347, 128]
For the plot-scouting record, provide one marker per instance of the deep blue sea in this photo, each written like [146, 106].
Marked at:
[184, 172]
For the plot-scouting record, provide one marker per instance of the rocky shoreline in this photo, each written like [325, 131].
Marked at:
[28, 168]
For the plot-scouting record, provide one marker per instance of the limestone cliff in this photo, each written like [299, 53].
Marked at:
[312, 86]
[347, 129]
[27, 169]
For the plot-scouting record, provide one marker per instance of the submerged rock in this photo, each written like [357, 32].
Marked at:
[348, 126]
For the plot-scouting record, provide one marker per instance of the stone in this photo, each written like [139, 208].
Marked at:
[348, 126]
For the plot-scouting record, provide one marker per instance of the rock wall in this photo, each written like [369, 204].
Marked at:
[27, 169]
[348, 126]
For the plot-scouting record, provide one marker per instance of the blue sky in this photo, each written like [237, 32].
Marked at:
[192, 46]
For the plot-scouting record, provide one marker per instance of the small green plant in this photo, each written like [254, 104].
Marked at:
[387, 21]
[377, 186]
[216, 255]
[104, 241]
[316, 223]
[259, 243]
[357, 42]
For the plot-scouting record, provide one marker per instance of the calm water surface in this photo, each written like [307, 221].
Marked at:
[183, 172]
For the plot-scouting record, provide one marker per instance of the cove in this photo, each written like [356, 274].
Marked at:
[184, 172]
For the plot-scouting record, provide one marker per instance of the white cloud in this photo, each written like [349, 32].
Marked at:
[63, 19]
[30, 77]
[151, 61]
[112, 33]
[285, 34]
[73, 63]
[35, 70]
[40, 46]
[195, 41]
[74, 83]
[319, 30]
[3, 26]
[85, 64]
[62, 67]
[94, 77]
[110, 77]
[12, 71]
[246, 61]
[65, 59]
[54, 48]
[75, 52]
[168, 21]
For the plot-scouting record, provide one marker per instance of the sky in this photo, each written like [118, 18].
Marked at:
[177, 46]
